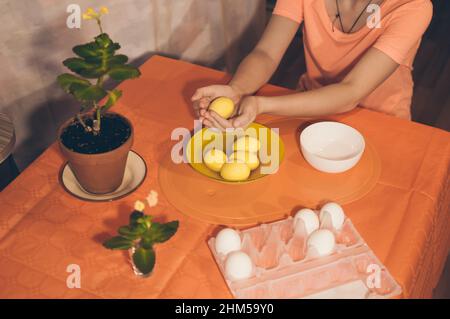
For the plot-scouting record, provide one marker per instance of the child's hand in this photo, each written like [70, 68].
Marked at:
[203, 97]
[248, 110]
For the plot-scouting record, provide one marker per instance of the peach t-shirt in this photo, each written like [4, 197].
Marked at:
[330, 55]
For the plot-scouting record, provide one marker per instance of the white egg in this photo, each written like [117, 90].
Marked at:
[321, 243]
[332, 213]
[309, 219]
[238, 266]
[227, 240]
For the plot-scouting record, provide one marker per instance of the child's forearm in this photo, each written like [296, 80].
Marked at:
[254, 71]
[331, 99]
[371, 70]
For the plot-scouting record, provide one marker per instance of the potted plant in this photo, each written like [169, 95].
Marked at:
[140, 235]
[96, 142]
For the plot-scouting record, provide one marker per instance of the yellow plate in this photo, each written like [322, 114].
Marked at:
[270, 160]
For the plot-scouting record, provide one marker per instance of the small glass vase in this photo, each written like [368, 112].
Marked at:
[136, 271]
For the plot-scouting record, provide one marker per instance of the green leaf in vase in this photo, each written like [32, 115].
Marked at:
[144, 259]
[146, 243]
[118, 242]
[134, 216]
[159, 233]
[132, 232]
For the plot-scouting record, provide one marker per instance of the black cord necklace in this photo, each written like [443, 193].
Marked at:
[338, 16]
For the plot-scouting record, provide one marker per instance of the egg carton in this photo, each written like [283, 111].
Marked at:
[284, 269]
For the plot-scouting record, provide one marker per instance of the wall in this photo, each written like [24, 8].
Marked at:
[35, 40]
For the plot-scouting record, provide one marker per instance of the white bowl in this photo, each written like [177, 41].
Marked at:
[332, 147]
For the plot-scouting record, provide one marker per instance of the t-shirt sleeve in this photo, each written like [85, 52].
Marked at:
[292, 9]
[404, 30]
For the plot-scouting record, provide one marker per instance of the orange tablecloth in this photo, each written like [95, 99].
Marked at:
[404, 219]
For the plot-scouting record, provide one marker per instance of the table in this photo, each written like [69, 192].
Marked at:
[43, 230]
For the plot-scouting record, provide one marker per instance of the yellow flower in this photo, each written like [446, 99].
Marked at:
[86, 16]
[104, 10]
[152, 198]
[139, 206]
[90, 14]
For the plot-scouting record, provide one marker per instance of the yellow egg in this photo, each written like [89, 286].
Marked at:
[214, 159]
[251, 159]
[223, 106]
[247, 144]
[235, 171]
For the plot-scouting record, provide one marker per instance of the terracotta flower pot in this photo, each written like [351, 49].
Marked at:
[100, 173]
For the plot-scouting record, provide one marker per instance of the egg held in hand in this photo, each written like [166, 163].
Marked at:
[223, 106]
[214, 159]
[308, 219]
[235, 171]
[227, 240]
[321, 243]
[251, 159]
[332, 216]
[247, 144]
[238, 266]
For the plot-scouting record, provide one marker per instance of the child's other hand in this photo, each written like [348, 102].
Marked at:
[203, 97]
[248, 111]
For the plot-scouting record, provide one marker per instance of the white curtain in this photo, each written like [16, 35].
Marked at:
[35, 40]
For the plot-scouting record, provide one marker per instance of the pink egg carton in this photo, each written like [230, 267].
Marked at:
[284, 269]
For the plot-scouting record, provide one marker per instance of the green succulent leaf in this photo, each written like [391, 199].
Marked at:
[103, 40]
[77, 64]
[123, 72]
[88, 50]
[95, 58]
[144, 259]
[119, 59]
[84, 68]
[119, 243]
[113, 97]
[70, 82]
[134, 216]
[146, 243]
[92, 50]
[159, 233]
[131, 232]
[91, 93]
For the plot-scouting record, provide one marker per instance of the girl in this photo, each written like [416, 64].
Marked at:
[349, 61]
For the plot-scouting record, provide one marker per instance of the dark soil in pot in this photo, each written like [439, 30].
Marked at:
[115, 131]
